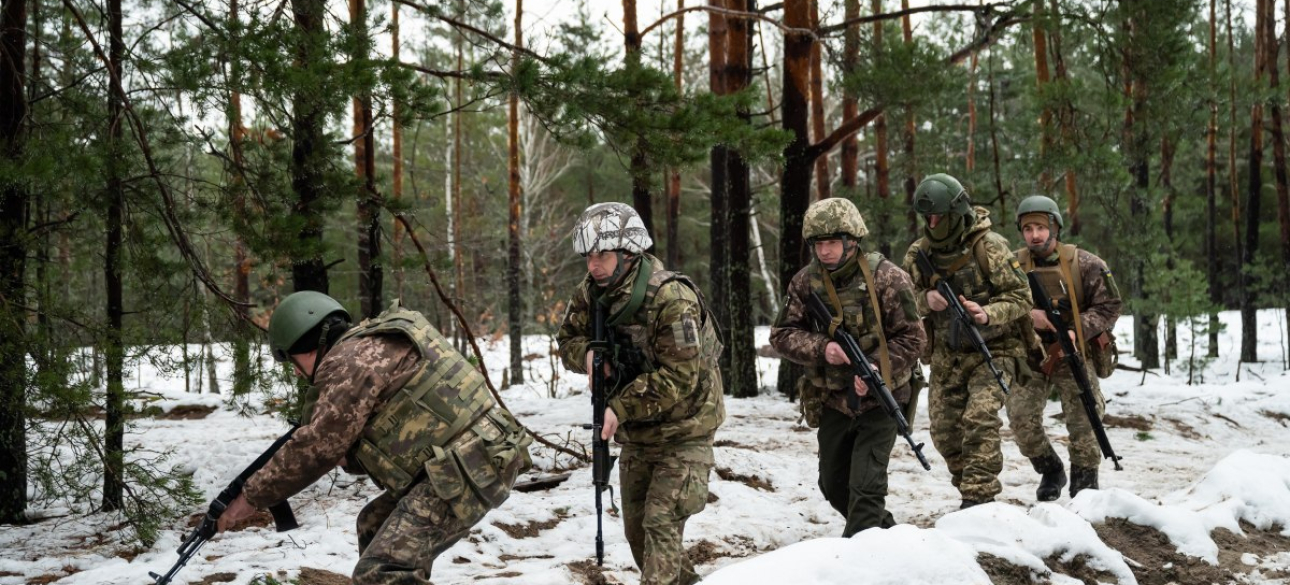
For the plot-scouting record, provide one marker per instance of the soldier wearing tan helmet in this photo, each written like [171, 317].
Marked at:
[965, 397]
[1082, 284]
[389, 398]
[666, 401]
[876, 299]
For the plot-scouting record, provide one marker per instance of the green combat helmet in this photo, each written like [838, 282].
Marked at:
[297, 315]
[1040, 204]
[941, 194]
[833, 217]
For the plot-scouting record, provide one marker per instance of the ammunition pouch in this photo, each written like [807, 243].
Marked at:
[1103, 354]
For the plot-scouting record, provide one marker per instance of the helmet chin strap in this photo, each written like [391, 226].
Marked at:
[848, 245]
[620, 268]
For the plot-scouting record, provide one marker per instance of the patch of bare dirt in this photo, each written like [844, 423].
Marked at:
[528, 530]
[509, 558]
[1184, 429]
[1002, 572]
[1132, 421]
[1280, 417]
[1078, 568]
[712, 498]
[1261, 543]
[588, 572]
[501, 575]
[460, 560]
[225, 578]
[753, 481]
[1156, 560]
[312, 576]
[731, 444]
[50, 578]
[705, 551]
[188, 412]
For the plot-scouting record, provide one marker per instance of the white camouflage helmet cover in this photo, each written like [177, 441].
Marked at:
[610, 226]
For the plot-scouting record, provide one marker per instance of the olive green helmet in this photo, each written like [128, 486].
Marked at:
[943, 195]
[1040, 204]
[297, 315]
[832, 217]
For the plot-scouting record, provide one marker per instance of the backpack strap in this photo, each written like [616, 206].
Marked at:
[1067, 256]
[884, 357]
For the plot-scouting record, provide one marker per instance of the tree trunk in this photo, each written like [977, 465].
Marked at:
[1233, 188]
[850, 155]
[795, 182]
[242, 377]
[370, 274]
[1253, 197]
[674, 175]
[881, 167]
[1279, 154]
[1066, 121]
[1211, 185]
[1042, 77]
[396, 153]
[818, 126]
[911, 161]
[114, 407]
[458, 260]
[308, 271]
[719, 232]
[1167, 150]
[515, 304]
[1146, 342]
[15, 202]
[640, 168]
[742, 382]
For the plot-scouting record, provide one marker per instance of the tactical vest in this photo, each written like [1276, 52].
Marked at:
[967, 270]
[631, 324]
[861, 320]
[1057, 279]
[442, 421]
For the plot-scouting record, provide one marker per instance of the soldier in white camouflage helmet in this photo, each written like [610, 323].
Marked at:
[665, 403]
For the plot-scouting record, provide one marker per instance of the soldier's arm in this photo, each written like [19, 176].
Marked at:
[900, 320]
[1011, 299]
[910, 266]
[575, 332]
[677, 334]
[792, 335]
[1100, 294]
[350, 391]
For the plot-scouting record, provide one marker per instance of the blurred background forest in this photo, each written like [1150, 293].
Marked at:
[169, 170]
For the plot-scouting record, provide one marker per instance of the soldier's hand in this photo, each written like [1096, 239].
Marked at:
[862, 389]
[834, 355]
[611, 424]
[1041, 320]
[591, 356]
[935, 301]
[976, 311]
[237, 512]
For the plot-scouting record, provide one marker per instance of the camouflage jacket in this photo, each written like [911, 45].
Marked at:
[354, 380]
[999, 286]
[796, 336]
[681, 399]
[1099, 301]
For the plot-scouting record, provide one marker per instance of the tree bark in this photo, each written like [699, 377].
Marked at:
[1042, 78]
[1253, 196]
[818, 125]
[454, 209]
[1146, 340]
[1167, 151]
[640, 167]
[242, 377]
[850, 155]
[911, 160]
[396, 153]
[114, 407]
[1211, 184]
[674, 175]
[881, 166]
[370, 273]
[15, 203]
[719, 231]
[743, 355]
[308, 271]
[795, 181]
[514, 301]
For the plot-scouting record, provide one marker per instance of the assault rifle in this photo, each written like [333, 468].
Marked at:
[282, 515]
[860, 364]
[966, 323]
[1056, 315]
[601, 462]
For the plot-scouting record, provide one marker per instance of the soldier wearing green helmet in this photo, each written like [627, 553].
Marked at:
[965, 398]
[875, 299]
[666, 403]
[1081, 283]
[389, 398]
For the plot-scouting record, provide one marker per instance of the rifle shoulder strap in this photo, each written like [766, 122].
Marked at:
[884, 357]
[1067, 260]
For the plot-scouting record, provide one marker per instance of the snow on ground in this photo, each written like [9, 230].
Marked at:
[1196, 458]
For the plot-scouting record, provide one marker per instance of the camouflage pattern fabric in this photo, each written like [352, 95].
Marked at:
[1026, 411]
[965, 399]
[681, 399]
[667, 417]
[797, 338]
[1100, 307]
[831, 217]
[412, 534]
[854, 454]
[662, 486]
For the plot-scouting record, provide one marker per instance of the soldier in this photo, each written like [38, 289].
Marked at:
[1081, 283]
[666, 403]
[877, 300]
[392, 399]
[965, 397]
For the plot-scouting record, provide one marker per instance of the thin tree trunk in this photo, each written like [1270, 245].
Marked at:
[1066, 121]
[743, 354]
[640, 167]
[1146, 340]
[970, 162]
[459, 262]
[719, 231]
[370, 274]
[114, 407]
[795, 182]
[1042, 78]
[1279, 153]
[1167, 151]
[818, 126]
[242, 379]
[674, 175]
[396, 188]
[1211, 186]
[308, 271]
[515, 303]
[1253, 196]
[15, 202]
[911, 160]
[1233, 188]
[850, 155]
[881, 166]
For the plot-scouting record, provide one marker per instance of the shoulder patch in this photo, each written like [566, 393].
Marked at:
[685, 332]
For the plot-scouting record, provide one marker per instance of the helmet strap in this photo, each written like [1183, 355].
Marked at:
[620, 268]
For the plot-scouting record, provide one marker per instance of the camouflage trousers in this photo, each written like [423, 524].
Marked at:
[662, 486]
[854, 453]
[965, 422]
[1026, 418]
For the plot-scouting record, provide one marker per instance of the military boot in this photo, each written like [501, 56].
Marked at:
[1083, 478]
[969, 503]
[1053, 476]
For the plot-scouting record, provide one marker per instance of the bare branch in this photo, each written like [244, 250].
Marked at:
[732, 14]
[432, 13]
[984, 9]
